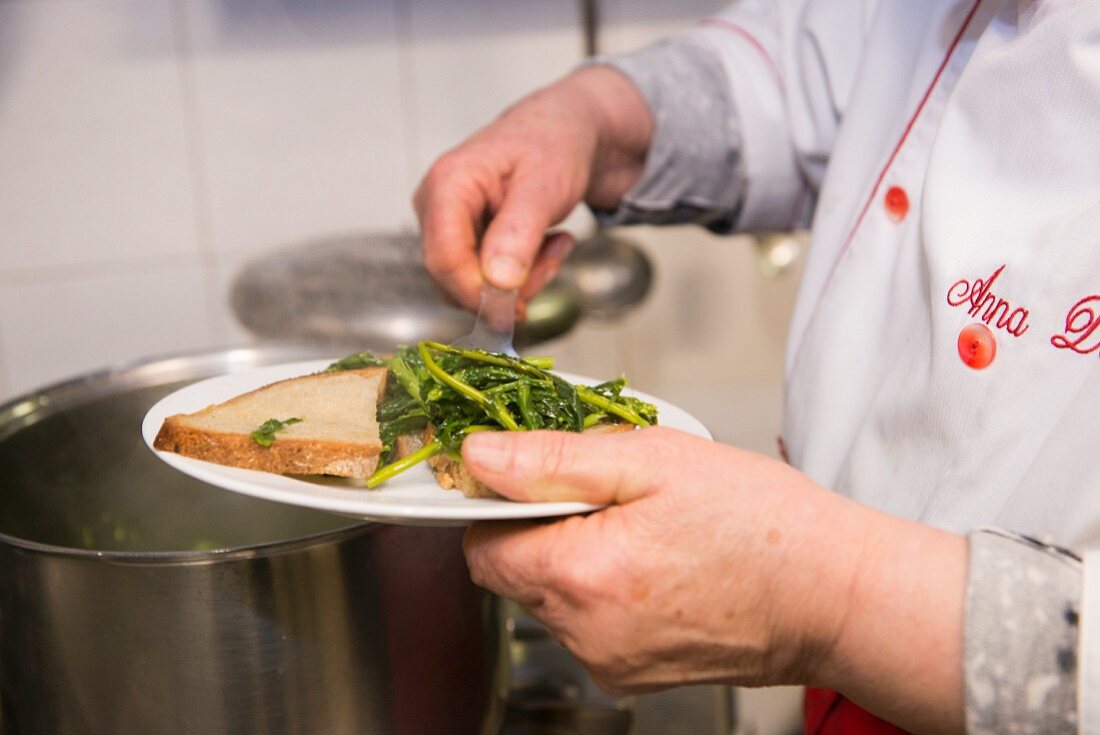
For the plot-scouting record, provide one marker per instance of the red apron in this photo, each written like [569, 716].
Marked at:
[829, 713]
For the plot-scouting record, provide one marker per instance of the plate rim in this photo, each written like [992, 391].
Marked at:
[363, 506]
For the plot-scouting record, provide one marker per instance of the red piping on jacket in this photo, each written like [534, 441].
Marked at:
[889, 162]
[753, 41]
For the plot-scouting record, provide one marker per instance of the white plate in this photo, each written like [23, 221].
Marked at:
[412, 497]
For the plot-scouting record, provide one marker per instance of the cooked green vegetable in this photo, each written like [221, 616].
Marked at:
[458, 391]
[265, 434]
[358, 361]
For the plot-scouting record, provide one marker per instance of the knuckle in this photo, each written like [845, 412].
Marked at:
[475, 561]
[583, 579]
[660, 445]
[608, 670]
[441, 260]
[444, 169]
[557, 569]
[552, 458]
[567, 578]
[434, 257]
[515, 230]
[477, 576]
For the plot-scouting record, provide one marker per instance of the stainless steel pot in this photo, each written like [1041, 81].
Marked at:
[136, 600]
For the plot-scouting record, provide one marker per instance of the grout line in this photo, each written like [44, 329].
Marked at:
[43, 2]
[201, 200]
[407, 93]
[90, 270]
[5, 372]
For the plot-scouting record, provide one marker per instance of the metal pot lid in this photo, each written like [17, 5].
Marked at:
[370, 289]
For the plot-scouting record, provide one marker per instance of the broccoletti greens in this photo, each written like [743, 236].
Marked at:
[264, 435]
[459, 391]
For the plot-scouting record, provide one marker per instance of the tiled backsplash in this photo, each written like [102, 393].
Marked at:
[148, 148]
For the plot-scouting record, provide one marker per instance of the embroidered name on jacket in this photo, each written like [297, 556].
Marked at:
[983, 304]
[1082, 332]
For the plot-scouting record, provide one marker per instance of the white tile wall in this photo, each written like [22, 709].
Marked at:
[298, 119]
[57, 328]
[225, 330]
[95, 190]
[92, 145]
[299, 130]
[472, 59]
[630, 24]
[174, 140]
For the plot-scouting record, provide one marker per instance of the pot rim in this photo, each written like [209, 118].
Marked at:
[187, 557]
[23, 410]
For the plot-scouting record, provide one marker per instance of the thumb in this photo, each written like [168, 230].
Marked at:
[516, 232]
[558, 465]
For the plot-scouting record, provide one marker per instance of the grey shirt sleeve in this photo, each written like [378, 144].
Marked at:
[693, 171]
[1021, 636]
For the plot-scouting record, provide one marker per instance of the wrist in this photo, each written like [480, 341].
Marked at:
[623, 124]
[896, 647]
[822, 575]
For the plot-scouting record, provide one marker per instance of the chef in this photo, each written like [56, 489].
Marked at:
[942, 371]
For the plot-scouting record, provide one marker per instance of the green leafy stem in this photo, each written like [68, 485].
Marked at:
[454, 391]
[264, 435]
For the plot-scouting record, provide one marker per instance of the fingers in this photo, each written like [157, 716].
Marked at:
[515, 235]
[510, 558]
[515, 251]
[554, 251]
[556, 466]
[450, 206]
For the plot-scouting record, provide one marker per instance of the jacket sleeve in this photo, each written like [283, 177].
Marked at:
[1023, 614]
[1088, 690]
[746, 107]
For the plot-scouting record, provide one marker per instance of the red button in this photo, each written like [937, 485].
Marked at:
[977, 346]
[897, 203]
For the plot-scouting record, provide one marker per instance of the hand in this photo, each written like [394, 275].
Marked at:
[713, 564]
[585, 137]
[674, 582]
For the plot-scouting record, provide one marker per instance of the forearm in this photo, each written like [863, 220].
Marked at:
[611, 119]
[624, 127]
[899, 650]
[943, 634]
[693, 169]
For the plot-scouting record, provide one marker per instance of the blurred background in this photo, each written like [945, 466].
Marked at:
[151, 150]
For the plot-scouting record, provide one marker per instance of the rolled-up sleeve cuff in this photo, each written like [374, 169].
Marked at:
[1022, 614]
[1088, 692]
[693, 168]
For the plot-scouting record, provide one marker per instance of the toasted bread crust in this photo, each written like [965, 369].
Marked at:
[287, 455]
[451, 474]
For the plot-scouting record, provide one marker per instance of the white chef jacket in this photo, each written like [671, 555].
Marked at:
[962, 188]
[987, 116]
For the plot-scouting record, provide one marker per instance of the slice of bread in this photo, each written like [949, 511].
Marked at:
[338, 434]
